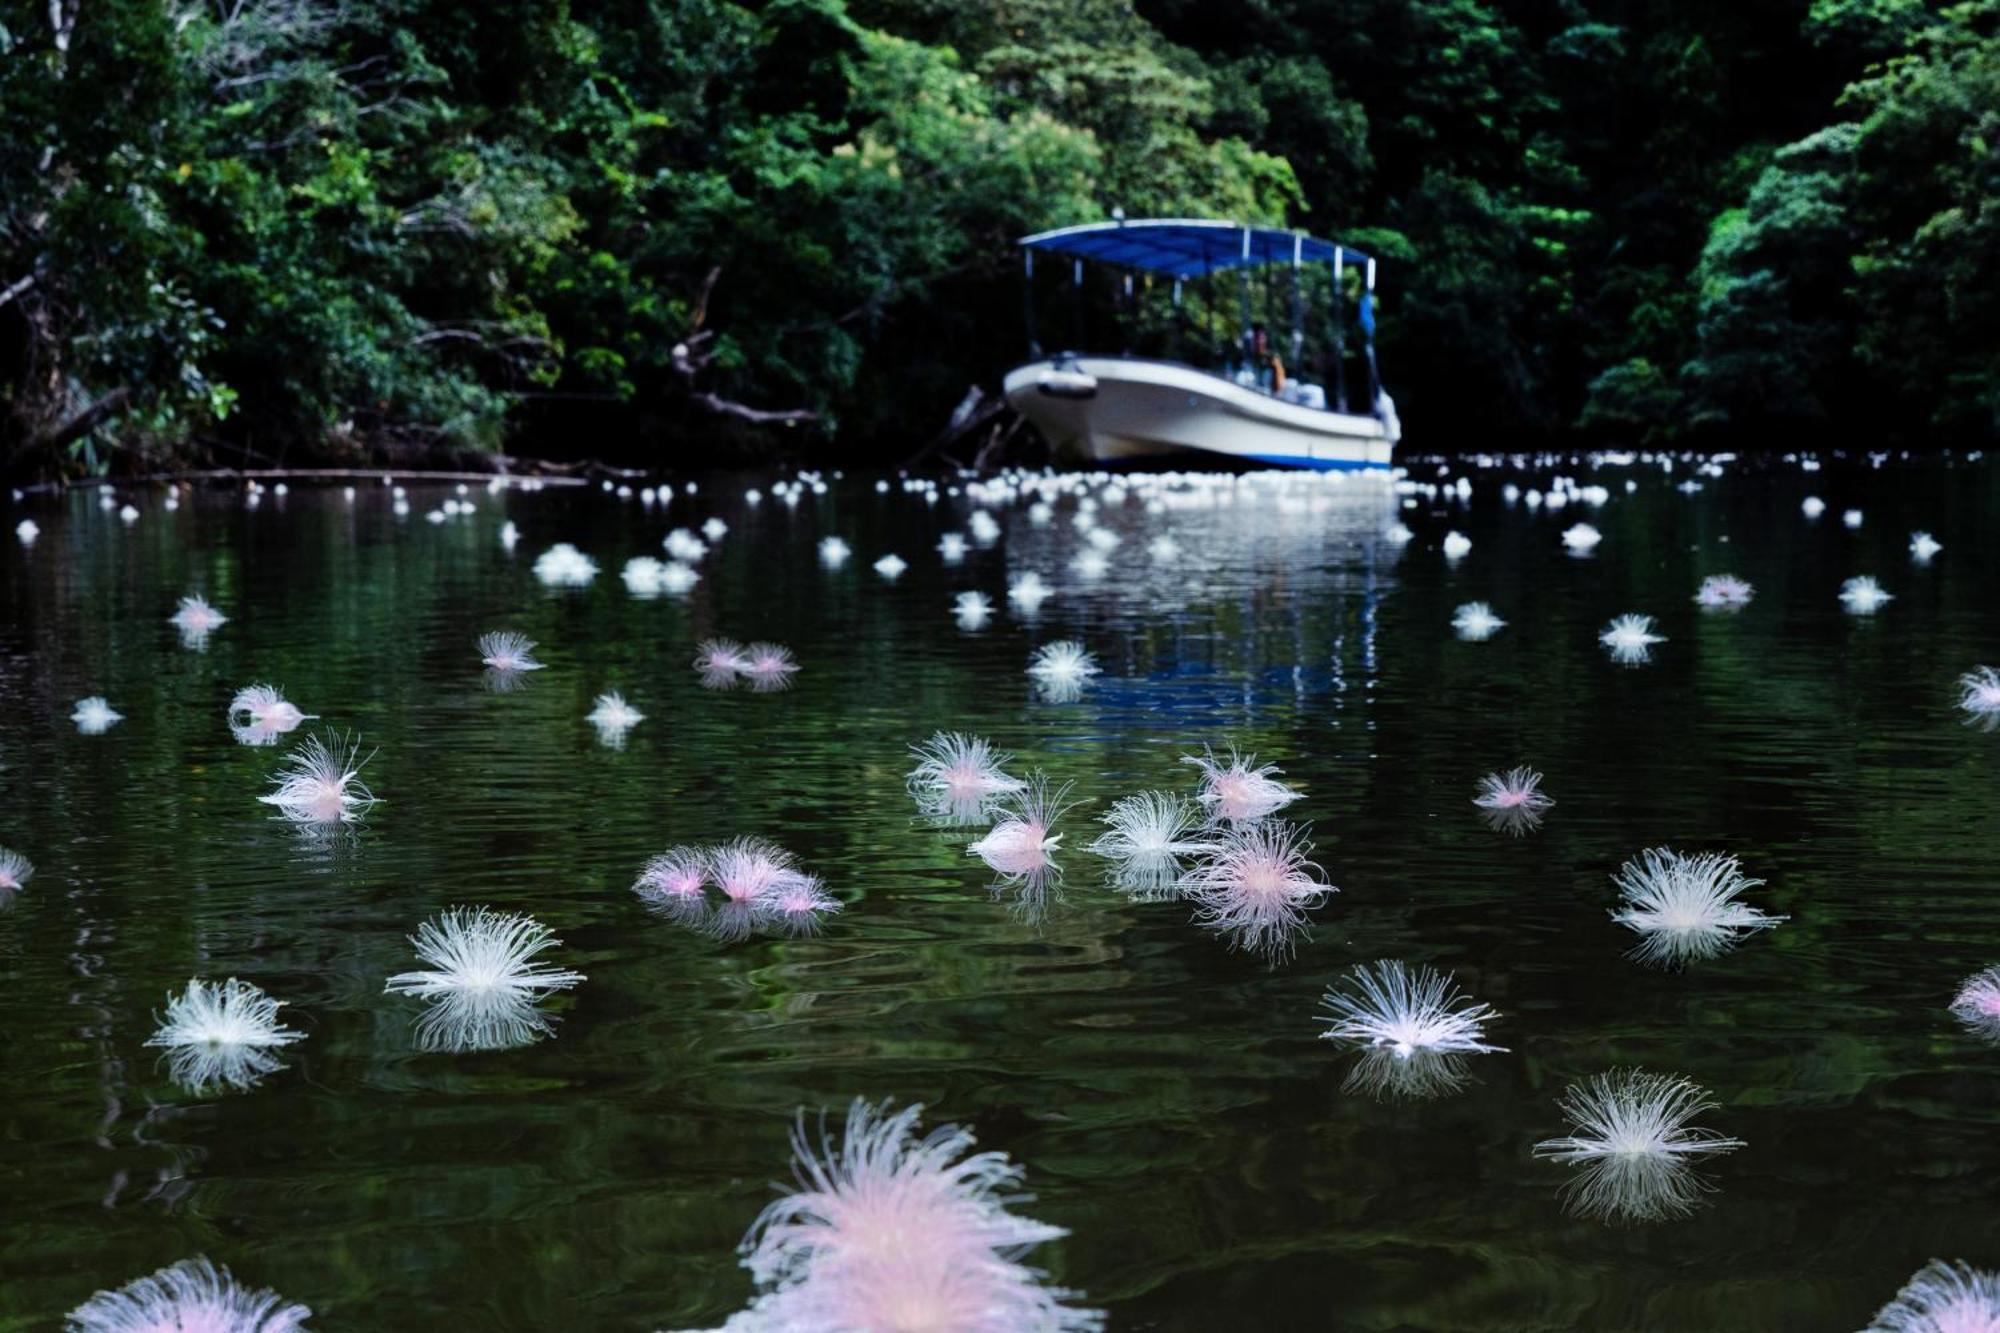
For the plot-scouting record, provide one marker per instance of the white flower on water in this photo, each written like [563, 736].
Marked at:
[15, 871]
[1456, 545]
[222, 1033]
[320, 783]
[1686, 907]
[260, 714]
[684, 546]
[188, 1297]
[985, 528]
[1923, 546]
[1812, 506]
[1723, 591]
[1634, 1145]
[959, 778]
[1028, 592]
[509, 535]
[1514, 801]
[93, 716]
[833, 552]
[1581, 538]
[1257, 887]
[1852, 518]
[483, 980]
[1239, 790]
[714, 529]
[195, 619]
[508, 651]
[952, 547]
[891, 566]
[1153, 824]
[1163, 549]
[1863, 596]
[1979, 694]
[643, 576]
[1413, 1027]
[1021, 846]
[1630, 639]
[1476, 622]
[1943, 1298]
[972, 610]
[563, 566]
[613, 717]
[1148, 835]
[27, 531]
[1090, 564]
[1065, 662]
[1398, 534]
[1977, 1004]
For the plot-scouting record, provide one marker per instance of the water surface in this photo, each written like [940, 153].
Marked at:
[1167, 1096]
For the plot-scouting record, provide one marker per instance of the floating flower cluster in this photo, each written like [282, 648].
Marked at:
[1413, 1027]
[1149, 836]
[724, 664]
[1630, 639]
[759, 886]
[1723, 592]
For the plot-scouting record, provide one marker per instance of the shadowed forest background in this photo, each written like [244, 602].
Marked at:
[259, 231]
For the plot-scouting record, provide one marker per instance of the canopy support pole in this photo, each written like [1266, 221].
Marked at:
[1298, 304]
[1243, 290]
[1028, 304]
[1339, 332]
[1076, 305]
[1368, 332]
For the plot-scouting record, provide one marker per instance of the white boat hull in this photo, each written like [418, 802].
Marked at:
[1117, 410]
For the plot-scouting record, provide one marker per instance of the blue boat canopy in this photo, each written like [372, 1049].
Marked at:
[1188, 247]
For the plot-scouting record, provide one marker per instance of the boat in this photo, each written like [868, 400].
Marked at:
[1242, 407]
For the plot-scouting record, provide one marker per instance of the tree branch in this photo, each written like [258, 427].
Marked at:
[756, 416]
[9, 293]
[84, 420]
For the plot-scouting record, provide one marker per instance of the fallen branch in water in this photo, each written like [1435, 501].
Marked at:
[690, 359]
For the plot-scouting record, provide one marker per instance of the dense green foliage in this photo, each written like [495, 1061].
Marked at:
[253, 226]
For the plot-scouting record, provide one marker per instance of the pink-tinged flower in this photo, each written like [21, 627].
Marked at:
[768, 666]
[720, 662]
[15, 871]
[1977, 1004]
[893, 1233]
[1239, 790]
[508, 652]
[197, 617]
[191, 1296]
[1979, 695]
[320, 783]
[1943, 1298]
[674, 883]
[958, 778]
[1723, 590]
[1021, 847]
[750, 871]
[1257, 887]
[259, 714]
[1513, 801]
[800, 906]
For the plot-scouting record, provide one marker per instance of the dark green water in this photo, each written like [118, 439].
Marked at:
[1168, 1097]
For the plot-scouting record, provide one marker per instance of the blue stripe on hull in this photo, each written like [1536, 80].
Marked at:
[1313, 464]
